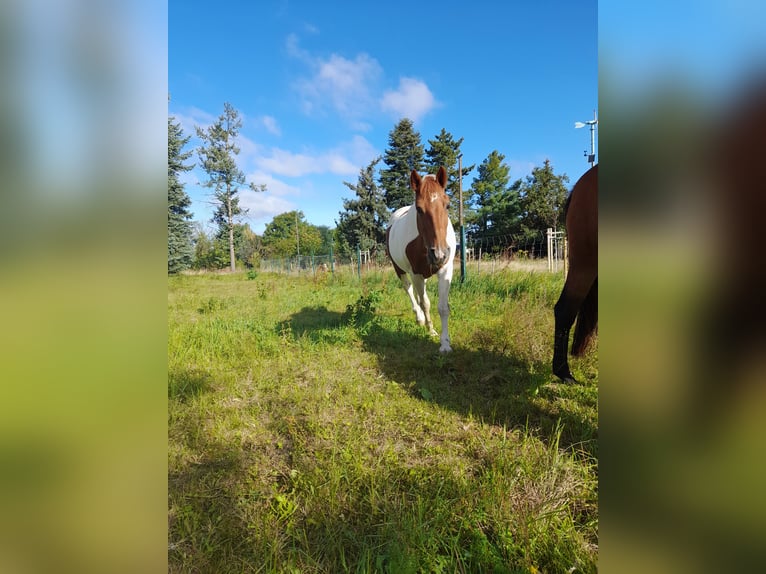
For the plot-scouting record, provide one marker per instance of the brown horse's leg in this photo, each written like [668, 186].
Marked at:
[566, 309]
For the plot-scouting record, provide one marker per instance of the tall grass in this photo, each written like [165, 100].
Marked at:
[314, 427]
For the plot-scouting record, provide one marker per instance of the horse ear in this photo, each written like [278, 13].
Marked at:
[441, 177]
[414, 181]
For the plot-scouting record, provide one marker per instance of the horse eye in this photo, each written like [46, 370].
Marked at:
[419, 209]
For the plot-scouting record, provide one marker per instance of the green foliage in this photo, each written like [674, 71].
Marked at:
[248, 247]
[543, 195]
[496, 203]
[362, 313]
[288, 233]
[209, 252]
[404, 153]
[363, 220]
[180, 249]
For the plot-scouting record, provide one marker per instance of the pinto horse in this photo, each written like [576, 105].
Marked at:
[579, 297]
[420, 242]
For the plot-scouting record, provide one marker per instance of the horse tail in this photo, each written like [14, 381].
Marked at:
[587, 321]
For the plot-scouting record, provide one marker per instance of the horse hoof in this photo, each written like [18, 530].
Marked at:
[567, 377]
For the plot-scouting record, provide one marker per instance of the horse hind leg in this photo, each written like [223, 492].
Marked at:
[564, 313]
[587, 320]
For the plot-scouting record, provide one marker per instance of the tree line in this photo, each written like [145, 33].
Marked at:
[492, 205]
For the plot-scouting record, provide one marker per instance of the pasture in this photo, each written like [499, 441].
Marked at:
[313, 426]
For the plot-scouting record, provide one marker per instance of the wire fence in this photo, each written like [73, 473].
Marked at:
[484, 254]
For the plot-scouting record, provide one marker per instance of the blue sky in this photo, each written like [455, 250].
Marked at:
[321, 85]
[708, 45]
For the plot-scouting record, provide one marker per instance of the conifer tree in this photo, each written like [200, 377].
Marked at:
[218, 155]
[180, 248]
[543, 195]
[404, 153]
[363, 221]
[496, 203]
[443, 150]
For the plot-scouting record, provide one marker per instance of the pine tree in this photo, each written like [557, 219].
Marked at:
[542, 199]
[496, 203]
[443, 150]
[218, 155]
[363, 222]
[404, 153]
[180, 248]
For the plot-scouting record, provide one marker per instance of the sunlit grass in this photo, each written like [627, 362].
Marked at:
[314, 427]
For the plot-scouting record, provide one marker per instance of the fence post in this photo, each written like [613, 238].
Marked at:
[359, 262]
[478, 262]
[549, 238]
[332, 260]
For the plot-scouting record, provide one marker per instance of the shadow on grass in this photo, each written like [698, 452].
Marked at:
[203, 516]
[223, 495]
[495, 387]
[319, 324]
[185, 384]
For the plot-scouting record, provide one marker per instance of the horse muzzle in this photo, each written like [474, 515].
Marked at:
[438, 256]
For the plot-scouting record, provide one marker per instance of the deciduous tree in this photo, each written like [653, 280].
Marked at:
[289, 234]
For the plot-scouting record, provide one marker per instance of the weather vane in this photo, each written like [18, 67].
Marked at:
[592, 123]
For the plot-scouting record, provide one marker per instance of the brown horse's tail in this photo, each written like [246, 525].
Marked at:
[587, 321]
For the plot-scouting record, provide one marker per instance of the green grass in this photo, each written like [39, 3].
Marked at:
[314, 427]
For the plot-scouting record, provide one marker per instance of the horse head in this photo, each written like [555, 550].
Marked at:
[431, 203]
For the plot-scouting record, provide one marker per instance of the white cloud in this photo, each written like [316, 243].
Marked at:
[274, 186]
[412, 100]
[293, 48]
[271, 125]
[262, 207]
[343, 85]
[191, 118]
[520, 168]
[345, 159]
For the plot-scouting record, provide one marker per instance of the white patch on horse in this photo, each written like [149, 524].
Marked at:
[434, 197]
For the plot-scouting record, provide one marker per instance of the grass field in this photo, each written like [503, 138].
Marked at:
[314, 427]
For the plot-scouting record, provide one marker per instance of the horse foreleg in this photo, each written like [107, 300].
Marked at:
[407, 284]
[444, 283]
[425, 303]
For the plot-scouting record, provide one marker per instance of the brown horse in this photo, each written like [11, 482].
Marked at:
[579, 297]
[420, 241]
